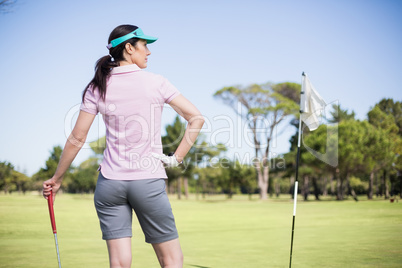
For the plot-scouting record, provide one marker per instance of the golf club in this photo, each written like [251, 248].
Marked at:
[53, 221]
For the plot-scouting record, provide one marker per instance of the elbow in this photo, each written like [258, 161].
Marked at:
[77, 139]
[202, 121]
[197, 121]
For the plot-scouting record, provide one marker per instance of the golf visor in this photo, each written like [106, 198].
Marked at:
[138, 33]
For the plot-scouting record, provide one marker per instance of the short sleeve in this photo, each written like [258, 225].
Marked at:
[168, 91]
[90, 103]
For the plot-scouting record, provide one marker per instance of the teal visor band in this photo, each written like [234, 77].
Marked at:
[138, 33]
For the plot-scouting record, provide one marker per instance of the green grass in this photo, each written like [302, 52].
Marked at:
[214, 233]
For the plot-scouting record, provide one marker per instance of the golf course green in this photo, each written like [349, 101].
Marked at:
[214, 233]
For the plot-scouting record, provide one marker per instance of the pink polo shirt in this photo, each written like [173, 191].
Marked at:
[132, 114]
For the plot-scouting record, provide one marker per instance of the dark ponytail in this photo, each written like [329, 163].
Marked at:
[105, 64]
[103, 68]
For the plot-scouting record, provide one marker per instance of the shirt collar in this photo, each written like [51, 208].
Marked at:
[125, 69]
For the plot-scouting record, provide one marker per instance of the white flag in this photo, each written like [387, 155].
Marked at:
[311, 105]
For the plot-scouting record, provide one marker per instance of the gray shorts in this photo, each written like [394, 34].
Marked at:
[116, 199]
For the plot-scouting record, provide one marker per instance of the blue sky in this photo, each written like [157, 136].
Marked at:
[351, 50]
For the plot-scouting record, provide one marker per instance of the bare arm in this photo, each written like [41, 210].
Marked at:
[73, 145]
[195, 122]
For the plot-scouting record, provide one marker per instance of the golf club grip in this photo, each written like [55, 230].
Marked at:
[51, 212]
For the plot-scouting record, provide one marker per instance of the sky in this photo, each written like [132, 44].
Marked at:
[350, 49]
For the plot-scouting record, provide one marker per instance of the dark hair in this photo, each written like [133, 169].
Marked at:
[105, 64]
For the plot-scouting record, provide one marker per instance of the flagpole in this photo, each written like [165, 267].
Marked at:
[296, 179]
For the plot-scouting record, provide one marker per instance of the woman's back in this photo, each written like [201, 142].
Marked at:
[132, 111]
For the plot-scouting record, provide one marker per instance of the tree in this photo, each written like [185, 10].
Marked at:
[264, 107]
[378, 155]
[50, 169]
[174, 134]
[5, 5]
[11, 180]
[365, 149]
[98, 146]
[198, 153]
[6, 179]
[230, 178]
[83, 178]
[387, 116]
[394, 108]
[21, 181]
[245, 176]
[339, 115]
[362, 149]
[207, 179]
[314, 168]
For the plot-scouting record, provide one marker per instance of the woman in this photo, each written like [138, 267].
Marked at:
[132, 172]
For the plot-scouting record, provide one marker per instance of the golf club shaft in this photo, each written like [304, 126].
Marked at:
[57, 249]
